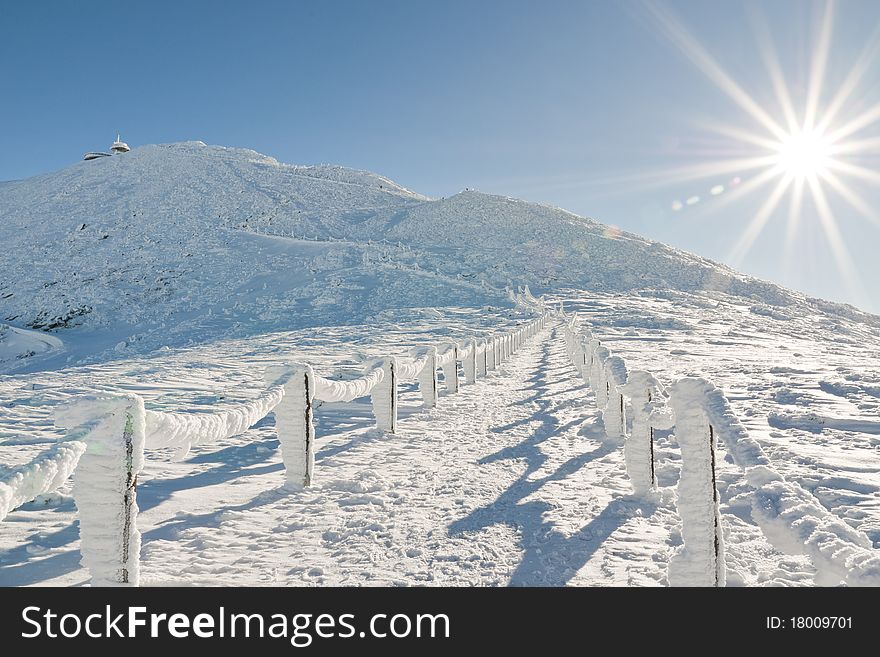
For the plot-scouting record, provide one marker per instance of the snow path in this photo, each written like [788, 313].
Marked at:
[509, 482]
[512, 481]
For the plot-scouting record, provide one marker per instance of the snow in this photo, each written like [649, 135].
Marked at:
[228, 268]
[330, 390]
[649, 412]
[448, 362]
[426, 359]
[384, 395]
[44, 474]
[614, 413]
[105, 484]
[468, 357]
[209, 242]
[295, 427]
[183, 430]
[21, 347]
[700, 560]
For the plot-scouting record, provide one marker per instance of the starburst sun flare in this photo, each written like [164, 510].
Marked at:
[798, 154]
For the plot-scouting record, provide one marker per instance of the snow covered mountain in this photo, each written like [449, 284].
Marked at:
[176, 243]
[237, 262]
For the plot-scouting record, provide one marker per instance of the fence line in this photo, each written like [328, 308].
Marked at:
[107, 434]
[791, 518]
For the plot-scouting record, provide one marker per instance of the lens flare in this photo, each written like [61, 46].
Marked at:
[805, 151]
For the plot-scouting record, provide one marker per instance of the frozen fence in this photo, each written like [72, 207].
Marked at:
[43, 475]
[107, 436]
[105, 485]
[790, 517]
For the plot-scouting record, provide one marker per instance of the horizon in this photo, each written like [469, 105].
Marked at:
[509, 110]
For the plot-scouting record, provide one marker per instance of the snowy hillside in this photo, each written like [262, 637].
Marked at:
[186, 242]
[184, 274]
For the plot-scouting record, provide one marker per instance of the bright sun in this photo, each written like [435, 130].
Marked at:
[804, 154]
[799, 153]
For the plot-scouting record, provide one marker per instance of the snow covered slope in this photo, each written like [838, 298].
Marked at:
[238, 262]
[177, 243]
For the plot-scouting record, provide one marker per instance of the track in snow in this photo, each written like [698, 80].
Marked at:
[511, 481]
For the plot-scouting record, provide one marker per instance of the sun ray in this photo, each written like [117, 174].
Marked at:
[692, 49]
[818, 66]
[868, 56]
[840, 253]
[771, 61]
[759, 221]
[742, 135]
[795, 206]
[855, 170]
[647, 180]
[855, 200]
[854, 146]
[862, 121]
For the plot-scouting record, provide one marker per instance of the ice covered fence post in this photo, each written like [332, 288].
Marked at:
[569, 342]
[481, 368]
[586, 357]
[597, 373]
[700, 561]
[384, 396]
[648, 413]
[428, 376]
[449, 364]
[490, 348]
[614, 415]
[469, 364]
[105, 484]
[293, 420]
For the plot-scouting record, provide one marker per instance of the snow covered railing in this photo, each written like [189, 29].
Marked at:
[790, 517]
[183, 430]
[44, 474]
[106, 437]
[105, 487]
[648, 412]
[700, 560]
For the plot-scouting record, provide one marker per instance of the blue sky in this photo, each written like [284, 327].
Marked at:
[578, 104]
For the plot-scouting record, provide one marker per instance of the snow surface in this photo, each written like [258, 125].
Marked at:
[181, 272]
[181, 243]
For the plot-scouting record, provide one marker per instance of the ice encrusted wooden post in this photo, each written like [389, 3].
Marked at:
[105, 484]
[597, 373]
[384, 396]
[584, 365]
[490, 350]
[294, 421]
[479, 360]
[469, 364]
[648, 413]
[449, 356]
[485, 366]
[428, 376]
[614, 414]
[700, 561]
